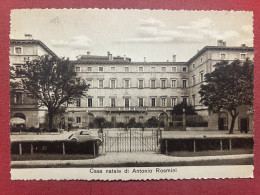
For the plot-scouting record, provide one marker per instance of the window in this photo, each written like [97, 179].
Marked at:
[89, 102]
[100, 102]
[127, 102]
[100, 83]
[201, 60]
[184, 69]
[242, 56]
[152, 69]
[163, 84]
[174, 83]
[193, 100]
[126, 69]
[78, 103]
[141, 119]
[193, 80]
[163, 102]
[141, 102]
[126, 119]
[18, 50]
[77, 69]
[89, 69]
[153, 84]
[163, 69]
[184, 83]
[78, 119]
[100, 69]
[174, 69]
[18, 98]
[90, 83]
[193, 65]
[112, 84]
[184, 100]
[141, 84]
[127, 84]
[201, 76]
[113, 102]
[141, 69]
[18, 67]
[153, 102]
[112, 69]
[173, 101]
[223, 56]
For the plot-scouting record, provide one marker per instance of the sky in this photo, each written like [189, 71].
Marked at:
[154, 34]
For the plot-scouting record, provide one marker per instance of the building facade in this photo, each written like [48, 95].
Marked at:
[121, 89]
[20, 104]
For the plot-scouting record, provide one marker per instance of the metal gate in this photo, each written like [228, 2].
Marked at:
[131, 141]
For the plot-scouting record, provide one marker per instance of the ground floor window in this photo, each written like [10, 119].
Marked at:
[78, 119]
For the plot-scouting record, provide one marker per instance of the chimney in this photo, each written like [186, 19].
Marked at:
[224, 44]
[220, 42]
[124, 58]
[243, 45]
[109, 56]
[28, 36]
[88, 53]
[174, 58]
[144, 59]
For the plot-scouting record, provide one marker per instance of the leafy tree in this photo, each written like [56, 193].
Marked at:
[152, 122]
[98, 121]
[132, 122]
[53, 82]
[229, 86]
[178, 109]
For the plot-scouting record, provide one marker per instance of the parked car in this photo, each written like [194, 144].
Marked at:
[84, 136]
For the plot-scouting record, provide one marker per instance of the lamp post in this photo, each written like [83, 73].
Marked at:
[183, 119]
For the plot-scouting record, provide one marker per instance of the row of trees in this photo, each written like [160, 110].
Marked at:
[54, 83]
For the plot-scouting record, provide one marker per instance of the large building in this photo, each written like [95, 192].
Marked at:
[121, 89]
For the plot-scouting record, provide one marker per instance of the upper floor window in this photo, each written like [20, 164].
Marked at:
[89, 82]
[112, 69]
[201, 60]
[163, 69]
[89, 69]
[163, 102]
[140, 68]
[141, 102]
[185, 100]
[100, 69]
[242, 56]
[193, 100]
[163, 83]
[201, 76]
[77, 69]
[18, 67]
[174, 83]
[101, 102]
[90, 102]
[153, 84]
[153, 100]
[193, 65]
[174, 69]
[113, 102]
[127, 102]
[223, 56]
[18, 50]
[127, 84]
[173, 101]
[184, 69]
[113, 84]
[126, 69]
[140, 84]
[193, 80]
[78, 103]
[184, 83]
[152, 69]
[100, 83]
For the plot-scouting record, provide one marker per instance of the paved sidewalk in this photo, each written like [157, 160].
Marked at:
[124, 159]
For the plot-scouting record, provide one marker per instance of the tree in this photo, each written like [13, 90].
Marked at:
[98, 121]
[178, 109]
[53, 82]
[229, 86]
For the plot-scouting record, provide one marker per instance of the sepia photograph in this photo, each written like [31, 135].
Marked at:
[107, 94]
